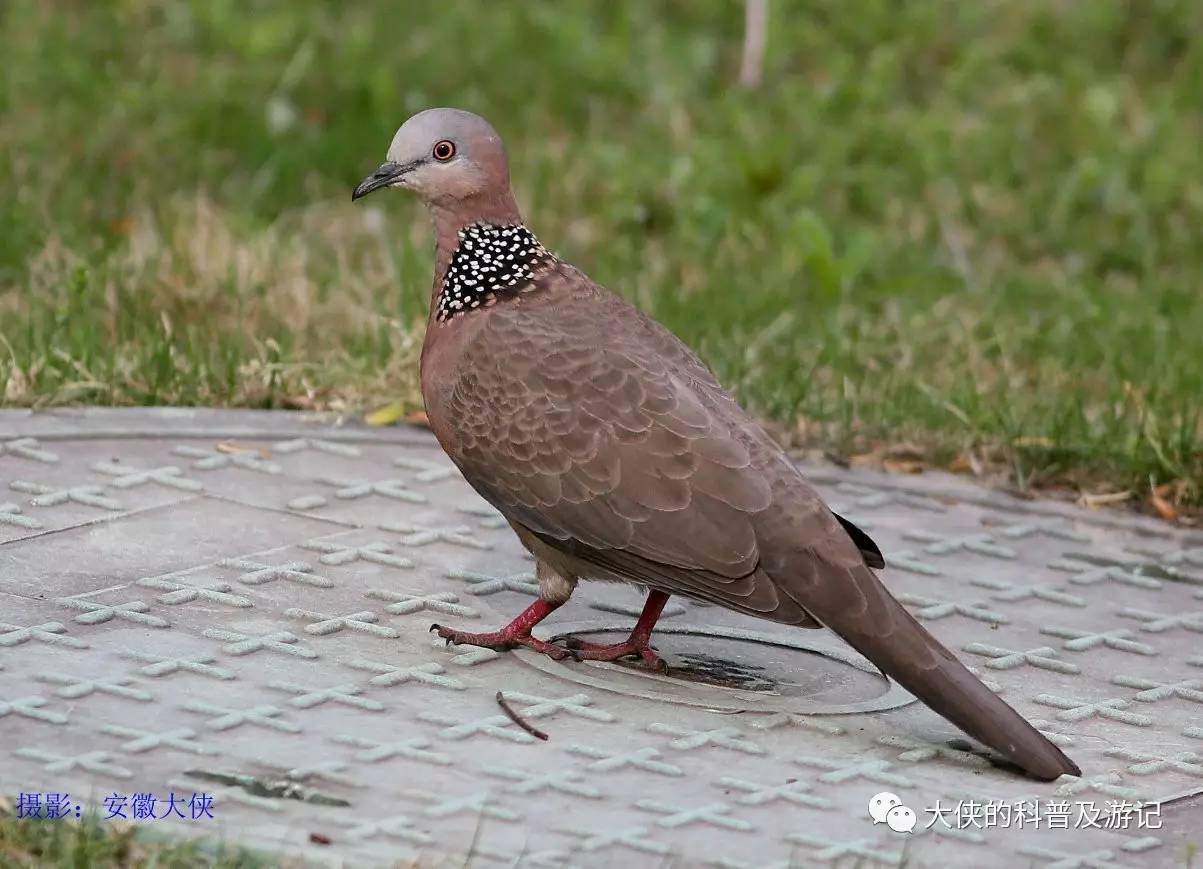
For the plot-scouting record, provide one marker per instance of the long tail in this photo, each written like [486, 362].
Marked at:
[882, 630]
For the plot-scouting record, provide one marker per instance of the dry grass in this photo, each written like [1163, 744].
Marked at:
[188, 274]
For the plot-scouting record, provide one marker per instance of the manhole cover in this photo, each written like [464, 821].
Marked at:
[734, 670]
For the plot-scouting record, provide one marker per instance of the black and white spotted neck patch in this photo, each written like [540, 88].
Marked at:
[490, 263]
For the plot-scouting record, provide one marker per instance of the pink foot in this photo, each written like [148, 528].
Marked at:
[633, 647]
[502, 640]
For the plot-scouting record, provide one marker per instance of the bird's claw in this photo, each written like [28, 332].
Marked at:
[583, 650]
[559, 649]
[502, 641]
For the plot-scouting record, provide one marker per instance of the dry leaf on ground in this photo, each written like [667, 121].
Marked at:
[390, 414]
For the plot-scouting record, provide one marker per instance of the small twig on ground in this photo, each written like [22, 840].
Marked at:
[517, 719]
[1093, 502]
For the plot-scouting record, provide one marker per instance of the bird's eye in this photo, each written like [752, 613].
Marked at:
[443, 150]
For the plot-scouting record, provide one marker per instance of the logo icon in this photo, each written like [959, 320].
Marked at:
[900, 819]
[886, 808]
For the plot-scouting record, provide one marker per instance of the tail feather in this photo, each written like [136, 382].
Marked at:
[889, 636]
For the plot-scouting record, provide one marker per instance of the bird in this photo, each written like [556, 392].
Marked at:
[615, 454]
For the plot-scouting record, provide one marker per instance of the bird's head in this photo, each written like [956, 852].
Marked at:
[447, 157]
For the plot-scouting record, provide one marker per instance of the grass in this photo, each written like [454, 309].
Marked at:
[968, 228]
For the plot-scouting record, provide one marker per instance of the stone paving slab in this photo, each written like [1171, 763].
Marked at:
[237, 603]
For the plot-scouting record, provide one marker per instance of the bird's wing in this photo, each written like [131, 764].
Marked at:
[626, 453]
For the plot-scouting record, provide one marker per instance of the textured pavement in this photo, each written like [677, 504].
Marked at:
[238, 604]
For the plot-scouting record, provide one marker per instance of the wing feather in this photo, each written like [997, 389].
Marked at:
[628, 455]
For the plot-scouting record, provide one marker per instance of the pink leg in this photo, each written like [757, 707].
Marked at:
[516, 633]
[638, 644]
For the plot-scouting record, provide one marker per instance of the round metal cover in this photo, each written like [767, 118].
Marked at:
[732, 670]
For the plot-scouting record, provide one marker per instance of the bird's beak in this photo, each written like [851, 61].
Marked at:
[382, 177]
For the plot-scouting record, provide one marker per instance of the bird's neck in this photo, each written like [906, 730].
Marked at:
[450, 218]
[483, 256]
[493, 263]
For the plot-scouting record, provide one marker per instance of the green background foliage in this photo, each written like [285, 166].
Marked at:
[960, 225]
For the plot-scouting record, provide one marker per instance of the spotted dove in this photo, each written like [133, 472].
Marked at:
[615, 454]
